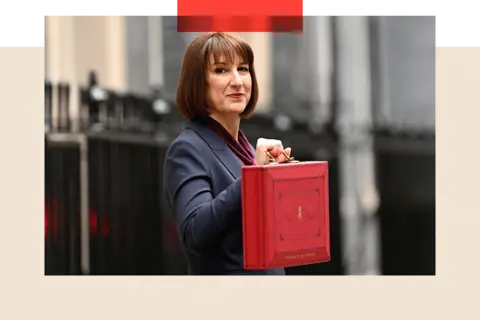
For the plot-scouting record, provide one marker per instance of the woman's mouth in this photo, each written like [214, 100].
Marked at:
[236, 95]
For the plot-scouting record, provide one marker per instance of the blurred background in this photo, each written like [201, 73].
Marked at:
[358, 92]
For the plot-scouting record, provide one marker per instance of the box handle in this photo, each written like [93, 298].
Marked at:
[289, 159]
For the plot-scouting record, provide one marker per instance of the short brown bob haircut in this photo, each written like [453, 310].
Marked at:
[192, 86]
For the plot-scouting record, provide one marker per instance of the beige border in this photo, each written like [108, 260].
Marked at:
[457, 167]
[29, 295]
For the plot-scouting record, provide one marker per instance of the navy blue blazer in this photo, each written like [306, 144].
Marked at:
[203, 189]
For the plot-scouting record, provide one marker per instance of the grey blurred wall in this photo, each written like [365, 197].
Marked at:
[404, 64]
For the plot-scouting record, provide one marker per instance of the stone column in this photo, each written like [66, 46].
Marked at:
[358, 193]
[155, 52]
[60, 62]
[319, 51]
[137, 54]
[100, 44]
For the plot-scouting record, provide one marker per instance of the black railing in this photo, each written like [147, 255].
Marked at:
[406, 183]
[62, 208]
[58, 95]
[124, 190]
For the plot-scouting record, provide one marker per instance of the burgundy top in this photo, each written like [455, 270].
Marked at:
[241, 148]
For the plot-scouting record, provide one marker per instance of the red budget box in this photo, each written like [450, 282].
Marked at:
[285, 214]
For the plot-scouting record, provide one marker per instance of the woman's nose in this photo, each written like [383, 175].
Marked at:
[236, 79]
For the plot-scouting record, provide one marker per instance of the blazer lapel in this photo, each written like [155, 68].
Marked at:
[219, 148]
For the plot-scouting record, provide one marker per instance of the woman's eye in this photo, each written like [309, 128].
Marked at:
[223, 70]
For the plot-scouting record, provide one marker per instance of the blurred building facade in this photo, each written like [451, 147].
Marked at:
[141, 53]
[357, 74]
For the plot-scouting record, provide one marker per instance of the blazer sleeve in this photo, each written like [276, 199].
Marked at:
[201, 219]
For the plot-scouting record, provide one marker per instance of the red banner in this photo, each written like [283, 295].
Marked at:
[247, 16]
[245, 8]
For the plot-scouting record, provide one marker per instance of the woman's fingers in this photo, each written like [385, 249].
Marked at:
[282, 158]
[274, 148]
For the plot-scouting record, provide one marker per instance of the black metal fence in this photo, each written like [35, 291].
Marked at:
[130, 229]
[124, 189]
[406, 181]
[62, 208]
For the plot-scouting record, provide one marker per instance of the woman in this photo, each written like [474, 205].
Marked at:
[217, 88]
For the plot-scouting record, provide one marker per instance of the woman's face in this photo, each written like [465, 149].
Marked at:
[229, 86]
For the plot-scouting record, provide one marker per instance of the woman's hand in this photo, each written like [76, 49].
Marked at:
[274, 147]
